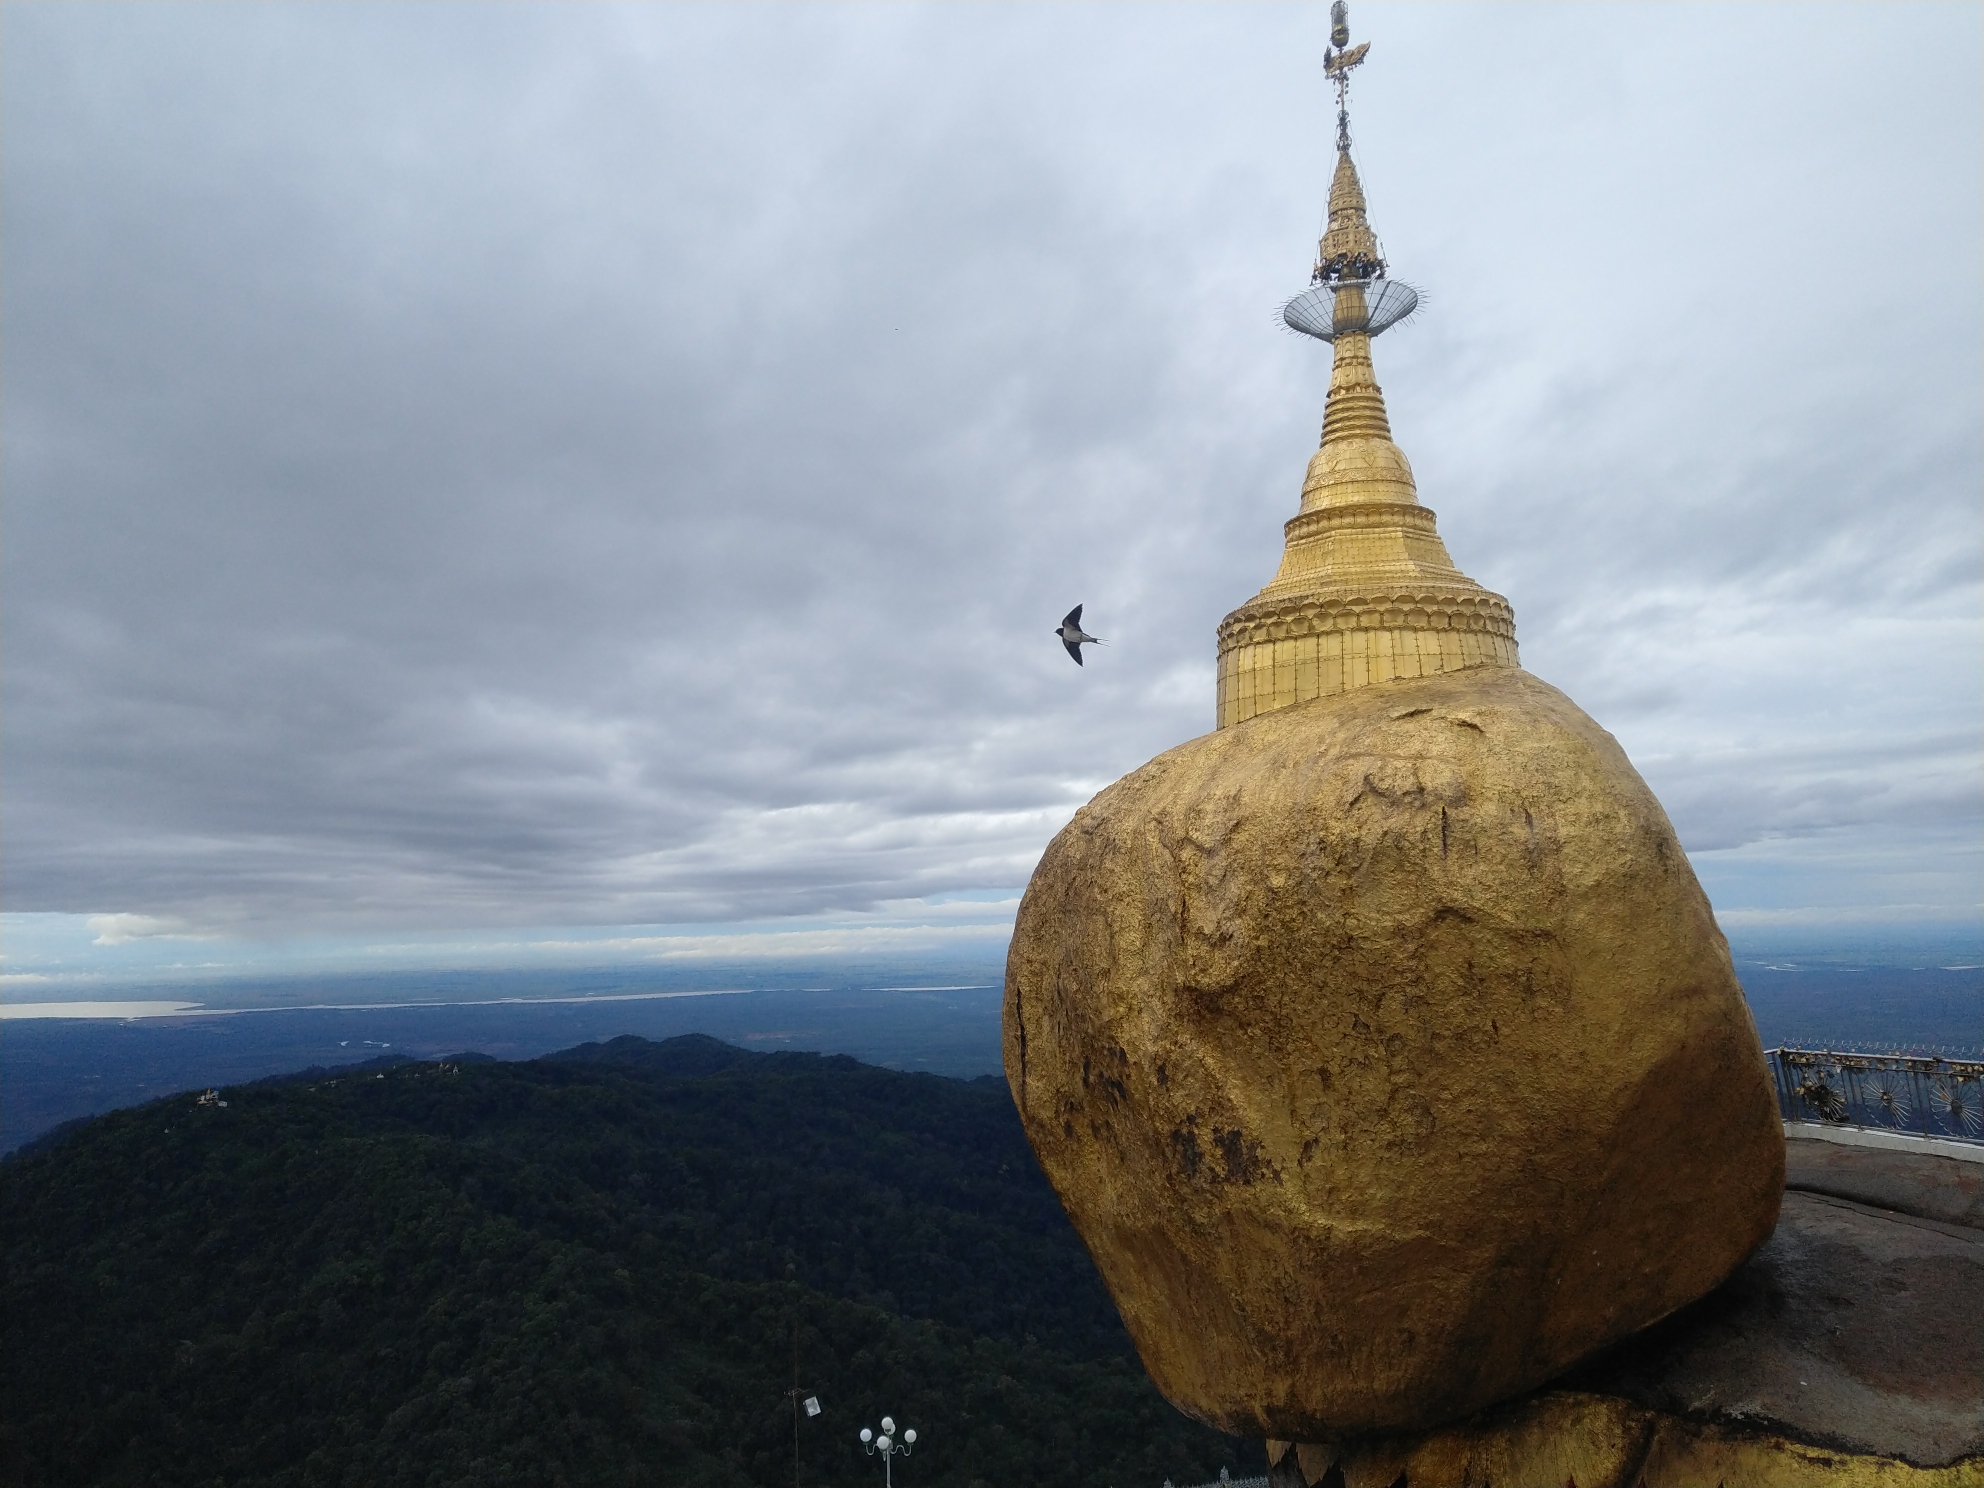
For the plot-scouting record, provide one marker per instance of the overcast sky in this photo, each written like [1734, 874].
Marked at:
[481, 467]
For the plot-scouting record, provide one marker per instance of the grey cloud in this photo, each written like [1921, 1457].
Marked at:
[620, 465]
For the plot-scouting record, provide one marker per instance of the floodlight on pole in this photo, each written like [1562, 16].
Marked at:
[803, 1401]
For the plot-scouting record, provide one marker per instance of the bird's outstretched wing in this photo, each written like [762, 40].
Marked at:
[1075, 650]
[1074, 617]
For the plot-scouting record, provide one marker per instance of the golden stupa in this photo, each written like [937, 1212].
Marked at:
[1381, 1043]
[1365, 592]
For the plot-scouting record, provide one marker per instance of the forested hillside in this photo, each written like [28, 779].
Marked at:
[583, 1269]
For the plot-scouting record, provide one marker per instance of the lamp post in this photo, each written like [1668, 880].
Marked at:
[888, 1445]
[801, 1401]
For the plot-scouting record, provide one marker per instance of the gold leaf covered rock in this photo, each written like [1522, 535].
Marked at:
[1385, 1052]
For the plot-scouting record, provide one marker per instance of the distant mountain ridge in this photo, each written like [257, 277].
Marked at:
[582, 1268]
[689, 1056]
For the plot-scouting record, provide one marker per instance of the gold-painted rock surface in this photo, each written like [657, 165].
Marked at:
[1385, 1052]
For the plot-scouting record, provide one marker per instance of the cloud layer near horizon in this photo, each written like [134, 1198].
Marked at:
[477, 466]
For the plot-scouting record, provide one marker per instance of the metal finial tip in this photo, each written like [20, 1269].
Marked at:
[1339, 24]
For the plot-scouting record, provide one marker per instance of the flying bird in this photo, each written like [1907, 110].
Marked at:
[1072, 635]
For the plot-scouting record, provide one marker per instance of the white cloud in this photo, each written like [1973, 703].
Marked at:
[122, 929]
[1823, 917]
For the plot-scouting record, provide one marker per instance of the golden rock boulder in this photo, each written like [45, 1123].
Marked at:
[1385, 1052]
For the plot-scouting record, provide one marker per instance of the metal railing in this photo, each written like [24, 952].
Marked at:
[1915, 1095]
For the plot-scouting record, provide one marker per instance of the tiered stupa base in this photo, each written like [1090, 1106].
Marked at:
[1274, 652]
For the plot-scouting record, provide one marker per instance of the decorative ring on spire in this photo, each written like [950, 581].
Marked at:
[1331, 310]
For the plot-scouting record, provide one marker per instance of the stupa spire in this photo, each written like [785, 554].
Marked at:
[1366, 591]
[1349, 231]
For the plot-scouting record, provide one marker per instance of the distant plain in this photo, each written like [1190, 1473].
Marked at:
[943, 1019]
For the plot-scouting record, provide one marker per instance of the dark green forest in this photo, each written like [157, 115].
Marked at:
[584, 1269]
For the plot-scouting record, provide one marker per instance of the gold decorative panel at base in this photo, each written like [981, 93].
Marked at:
[1272, 655]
